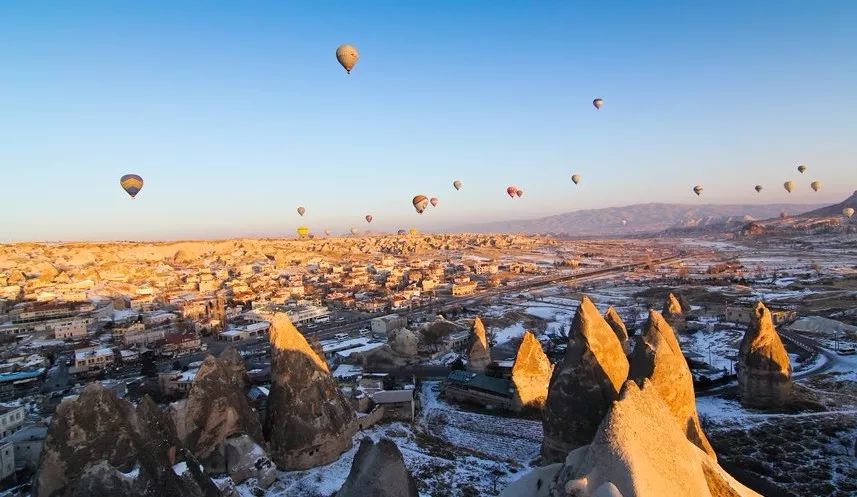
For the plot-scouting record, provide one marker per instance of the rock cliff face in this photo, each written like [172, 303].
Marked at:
[479, 354]
[308, 422]
[378, 470]
[615, 321]
[216, 408]
[99, 445]
[633, 454]
[584, 385]
[658, 358]
[764, 371]
[531, 374]
[404, 342]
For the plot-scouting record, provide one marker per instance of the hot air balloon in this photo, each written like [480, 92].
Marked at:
[456, 184]
[624, 222]
[758, 188]
[789, 186]
[697, 190]
[511, 191]
[301, 211]
[420, 203]
[815, 185]
[434, 201]
[412, 231]
[598, 103]
[327, 232]
[801, 168]
[402, 232]
[519, 193]
[368, 218]
[353, 231]
[848, 212]
[303, 231]
[575, 178]
[132, 184]
[347, 56]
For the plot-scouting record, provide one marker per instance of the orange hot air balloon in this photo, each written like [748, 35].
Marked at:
[434, 201]
[511, 191]
[420, 203]
[597, 103]
[368, 218]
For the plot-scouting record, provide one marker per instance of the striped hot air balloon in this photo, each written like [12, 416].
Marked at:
[132, 184]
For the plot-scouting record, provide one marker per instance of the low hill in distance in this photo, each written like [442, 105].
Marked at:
[642, 218]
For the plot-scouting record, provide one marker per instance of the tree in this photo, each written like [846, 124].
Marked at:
[149, 368]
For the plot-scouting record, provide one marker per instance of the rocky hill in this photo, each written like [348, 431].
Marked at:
[640, 218]
[309, 422]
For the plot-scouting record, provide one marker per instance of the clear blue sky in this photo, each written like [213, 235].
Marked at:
[236, 112]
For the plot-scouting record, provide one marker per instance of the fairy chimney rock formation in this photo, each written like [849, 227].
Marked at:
[764, 371]
[584, 385]
[479, 354]
[216, 408]
[633, 454]
[658, 358]
[531, 374]
[99, 445]
[378, 470]
[308, 421]
[615, 322]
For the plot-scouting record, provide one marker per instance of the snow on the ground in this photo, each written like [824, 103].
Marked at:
[460, 453]
[508, 333]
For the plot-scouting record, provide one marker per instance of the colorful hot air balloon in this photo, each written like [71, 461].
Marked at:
[420, 203]
[815, 185]
[789, 186]
[598, 103]
[301, 211]
[848, 212]
[368, 218]
[456, 184]
[697, 190]
[511, 191]
[519, 193]
[801, 168]
[347, 56]
[132, 184]
[758, 188]
[575, 178]
[434, 201]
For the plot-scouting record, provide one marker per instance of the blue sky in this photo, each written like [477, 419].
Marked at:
[235, 113]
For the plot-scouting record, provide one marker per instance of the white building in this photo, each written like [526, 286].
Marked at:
[245, 332]
[69, 329]
[28, 443]
[11, 419]
[88, 359]
[7, 460]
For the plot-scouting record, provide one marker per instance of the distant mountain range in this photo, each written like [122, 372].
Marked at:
[645, 218]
